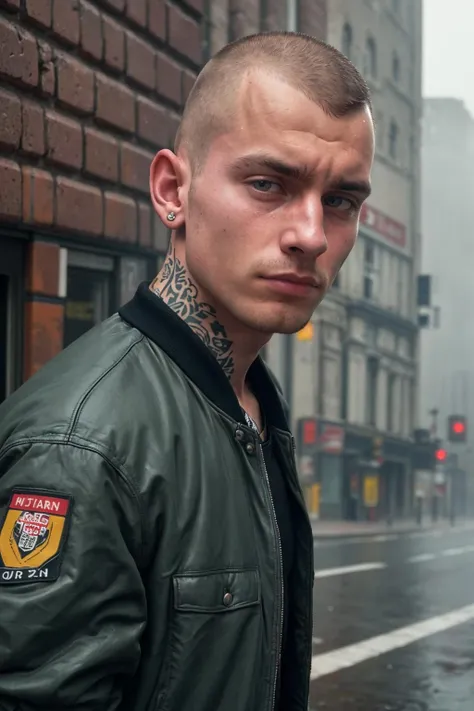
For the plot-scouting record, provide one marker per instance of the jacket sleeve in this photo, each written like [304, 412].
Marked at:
[72, 602]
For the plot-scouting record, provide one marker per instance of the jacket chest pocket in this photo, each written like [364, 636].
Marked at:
[216, 592]
[215, 633]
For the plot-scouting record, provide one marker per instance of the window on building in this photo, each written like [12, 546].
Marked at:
[391, 385]
[371, 395]
[347, 40]
[371, 58]
[393, 135]
[370, 269]
[90, 296]
[395, 67]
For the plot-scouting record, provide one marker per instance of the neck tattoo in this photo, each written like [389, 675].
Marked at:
[179, 292]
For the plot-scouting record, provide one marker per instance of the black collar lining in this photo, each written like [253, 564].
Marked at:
[152, 317]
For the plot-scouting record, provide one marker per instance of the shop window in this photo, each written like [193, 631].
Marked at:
[11, 315]
[90, 293]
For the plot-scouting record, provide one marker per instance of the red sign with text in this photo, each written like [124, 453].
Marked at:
[389, 229]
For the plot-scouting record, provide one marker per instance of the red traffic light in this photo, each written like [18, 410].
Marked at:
[458, 427]
[441, 455]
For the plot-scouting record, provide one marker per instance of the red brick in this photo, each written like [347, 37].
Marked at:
[38, 197]
[184, 34]
[10, 120]
[39, 12]
[120, 218]
[153, 123]
[63, 140]
[92, 43]
[10, 4]
[47, 70]
[144, 225]
[168, 79]
[75, 84]
[78, 206]
[114, 44]
[135, 167]
[136, 11]
[102, 155]
[33, 129]
[188, 80]
[157, 18]
[115, 104]
[66, 21]
[140, 61]
[10, 194]
[18, 54]
[43, 334]
[43, 268]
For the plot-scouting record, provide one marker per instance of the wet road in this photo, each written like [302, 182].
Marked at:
[394, 623]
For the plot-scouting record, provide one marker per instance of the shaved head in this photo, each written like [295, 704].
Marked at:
[311, 66]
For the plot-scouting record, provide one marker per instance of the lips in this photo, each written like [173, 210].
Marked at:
[293, 284]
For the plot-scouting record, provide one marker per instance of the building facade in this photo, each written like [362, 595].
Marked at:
[89, 91]
[447, 344]
[356, 369]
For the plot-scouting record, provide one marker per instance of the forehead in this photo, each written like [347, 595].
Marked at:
[273, 117]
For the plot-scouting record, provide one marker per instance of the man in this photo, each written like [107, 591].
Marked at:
[155, 548]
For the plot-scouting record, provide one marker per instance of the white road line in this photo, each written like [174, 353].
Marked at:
[421, 558]
[330, 662]
[330, 572]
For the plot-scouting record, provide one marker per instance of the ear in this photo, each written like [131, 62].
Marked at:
[166, 183]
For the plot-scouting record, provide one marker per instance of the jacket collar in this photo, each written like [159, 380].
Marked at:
[150, 315]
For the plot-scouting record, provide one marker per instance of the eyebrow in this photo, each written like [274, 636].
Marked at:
[362, 187]
[300, 172]
[260, 160]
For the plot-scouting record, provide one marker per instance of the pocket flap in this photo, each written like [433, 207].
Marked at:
[222, 591]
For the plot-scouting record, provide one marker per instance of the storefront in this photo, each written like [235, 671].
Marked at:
[53, 290]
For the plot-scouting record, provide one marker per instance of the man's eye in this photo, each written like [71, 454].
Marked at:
[265, 186]
[339, 203]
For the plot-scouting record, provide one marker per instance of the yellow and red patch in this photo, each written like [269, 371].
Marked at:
[32, 536]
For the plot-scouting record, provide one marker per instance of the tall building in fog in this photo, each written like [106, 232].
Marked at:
[447, 346]
[357, 373]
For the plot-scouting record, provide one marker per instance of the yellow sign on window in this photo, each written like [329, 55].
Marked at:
[371, 491]
[306, 333]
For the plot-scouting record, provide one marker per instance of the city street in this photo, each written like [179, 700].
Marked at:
[394, 622]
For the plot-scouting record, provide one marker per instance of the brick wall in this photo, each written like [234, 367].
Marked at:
[89, 91]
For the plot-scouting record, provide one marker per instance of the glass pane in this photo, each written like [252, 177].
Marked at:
[88, 301]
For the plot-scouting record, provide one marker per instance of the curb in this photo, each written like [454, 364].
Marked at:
[317, 536]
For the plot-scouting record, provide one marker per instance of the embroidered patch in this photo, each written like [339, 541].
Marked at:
[32, 536]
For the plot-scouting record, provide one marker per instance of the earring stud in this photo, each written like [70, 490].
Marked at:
[171, 216]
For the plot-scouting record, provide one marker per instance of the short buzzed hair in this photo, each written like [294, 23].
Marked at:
[318, 70]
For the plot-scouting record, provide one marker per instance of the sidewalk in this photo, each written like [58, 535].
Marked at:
[326, 530]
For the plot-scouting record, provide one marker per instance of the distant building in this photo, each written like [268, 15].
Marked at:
[357, 376]
[447, 345]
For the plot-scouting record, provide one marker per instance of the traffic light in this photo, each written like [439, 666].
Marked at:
[457, 428]
[441, 455]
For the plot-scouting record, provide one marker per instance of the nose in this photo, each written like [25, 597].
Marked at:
[305, 230]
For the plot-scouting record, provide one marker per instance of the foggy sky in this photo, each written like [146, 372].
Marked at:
[447, 57]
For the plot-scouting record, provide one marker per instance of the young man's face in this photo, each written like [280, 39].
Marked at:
[274, 212]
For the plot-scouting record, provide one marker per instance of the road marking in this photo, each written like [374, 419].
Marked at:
[421, 558]
[330, 572]
[330, 662]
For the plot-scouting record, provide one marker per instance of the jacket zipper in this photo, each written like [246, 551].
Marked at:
[282, 590]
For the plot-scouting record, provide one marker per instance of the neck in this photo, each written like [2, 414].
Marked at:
[178, 290]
